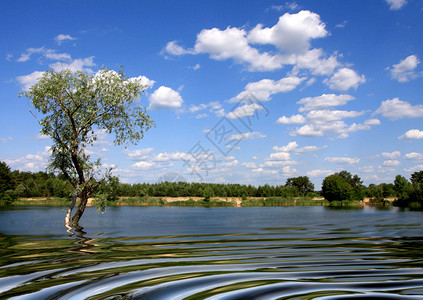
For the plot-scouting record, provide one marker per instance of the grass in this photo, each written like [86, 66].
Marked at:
[158, 201]
[42, 202]
[275, 201]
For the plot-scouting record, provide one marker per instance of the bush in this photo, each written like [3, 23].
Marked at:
[8, 197]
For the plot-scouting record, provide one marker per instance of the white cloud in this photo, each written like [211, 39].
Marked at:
[325, 116]
[45, 53]
[413, 134]
[396, 4]
[292, 33]
[391, 155]
[81, 64]
[263, 89]
[344, 79]
[391, 163]
[31, 162]
[343, 160]
[196, 67]
[288, 148]
[139, 154]
[416, 168]
[174, 49]
[165, 98]
[293, 147]
[404, 70]
[314, 61]
[246, 136]
[278, 163]
[63, 37]
[143, 165]
[26, 81]
[396, 109]
[295, 119]
[318, 173]
[247, 110]
[324, 101]
[250, 165]
[307, 130]
[291, 36]
[232, 43]
[280, 156]
[414, 156]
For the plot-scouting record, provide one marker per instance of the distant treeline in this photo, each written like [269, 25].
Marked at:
[338, 186]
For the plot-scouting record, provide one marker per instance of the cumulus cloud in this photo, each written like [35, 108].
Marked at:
[396, 4]
[391, 163]
[80, 64]
[414, 156]
[391, 155]
[139, 154]
[247, 110]
[246, 136]
[295, 119]
[174, 49]
[165, 98]
[293, 147]
[344, 79]
[63, 37]
[324, 101]
[232, 43]
[318, 173]
[26, 81]
[343, 160]
[263, 89]
[396, 109]
[31, 162]
[405, 70]
[292, 33]
[413, 134]
[50, 54]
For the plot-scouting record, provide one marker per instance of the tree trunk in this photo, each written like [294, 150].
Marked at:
[81, 207]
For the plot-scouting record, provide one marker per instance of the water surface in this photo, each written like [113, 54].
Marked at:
[212, 253]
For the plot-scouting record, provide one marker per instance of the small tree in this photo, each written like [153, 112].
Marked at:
[302, 183]
[74, 108]
[335, 187]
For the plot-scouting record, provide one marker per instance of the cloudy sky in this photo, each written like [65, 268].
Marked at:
[243, 93]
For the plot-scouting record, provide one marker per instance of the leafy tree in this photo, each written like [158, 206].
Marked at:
[356, 185]
[7, 193]
[335, 187]
[6, 180]
[302, 183]
[74, 108]
[402, 187]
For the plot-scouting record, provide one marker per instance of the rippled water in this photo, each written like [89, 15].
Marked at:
[212, 253]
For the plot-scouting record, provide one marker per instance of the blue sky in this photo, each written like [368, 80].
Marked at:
[242, 92]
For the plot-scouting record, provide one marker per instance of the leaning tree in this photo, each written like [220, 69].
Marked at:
[73, 108]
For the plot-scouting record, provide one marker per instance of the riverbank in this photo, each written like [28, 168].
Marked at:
[199, 201]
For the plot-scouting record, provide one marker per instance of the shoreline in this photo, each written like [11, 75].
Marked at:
[199, 201]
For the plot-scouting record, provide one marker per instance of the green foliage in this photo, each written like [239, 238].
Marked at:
[74, 107]
[409, 194]
[6, 180]
[342, 186]
[301, 183]
[335, 187]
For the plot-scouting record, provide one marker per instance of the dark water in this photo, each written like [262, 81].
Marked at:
[212, 253]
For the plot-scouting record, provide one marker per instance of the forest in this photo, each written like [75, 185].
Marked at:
[336, 187]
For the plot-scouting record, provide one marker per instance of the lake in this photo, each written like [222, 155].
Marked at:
[212, 253]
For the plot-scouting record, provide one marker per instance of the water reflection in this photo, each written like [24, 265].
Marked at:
[337, 255]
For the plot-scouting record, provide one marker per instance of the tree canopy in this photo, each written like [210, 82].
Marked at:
[342, 186]
[74, 108]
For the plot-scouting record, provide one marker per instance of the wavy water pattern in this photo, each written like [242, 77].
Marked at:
[222, 253]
